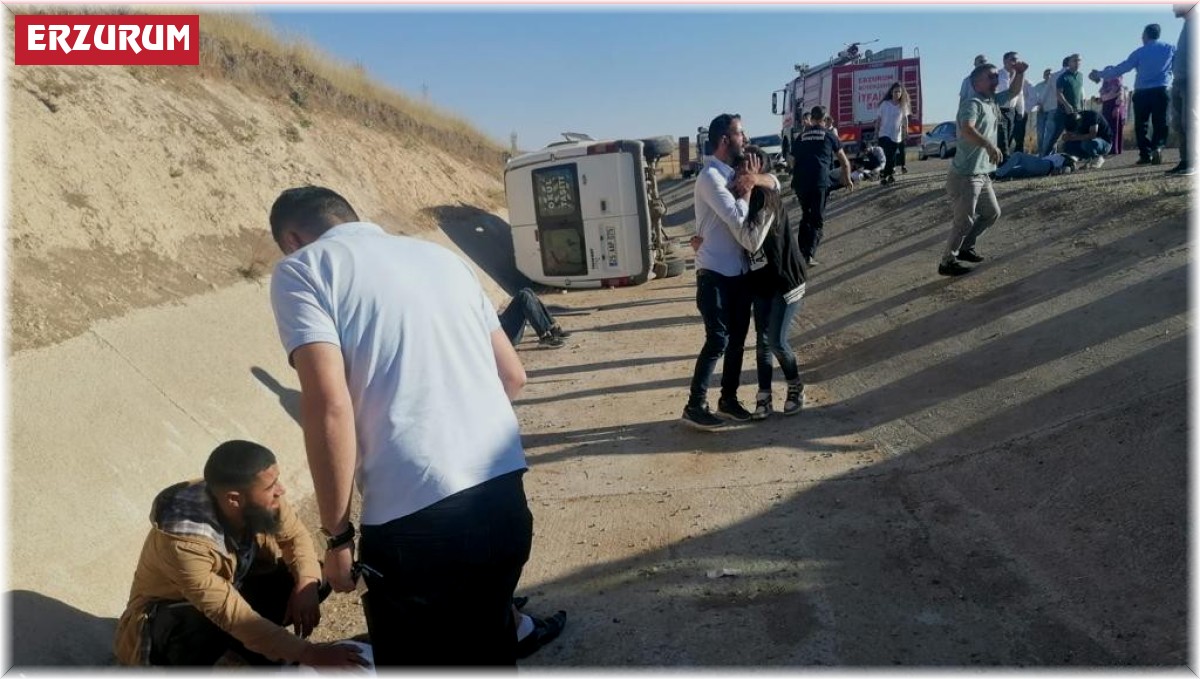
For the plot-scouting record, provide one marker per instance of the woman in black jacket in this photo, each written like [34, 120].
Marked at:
[777, 277]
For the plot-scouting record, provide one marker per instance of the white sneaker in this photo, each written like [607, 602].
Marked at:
[1097, 162]
[762, 406]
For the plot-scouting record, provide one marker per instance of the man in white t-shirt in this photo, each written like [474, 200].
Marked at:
[967, 89]
[406, 382]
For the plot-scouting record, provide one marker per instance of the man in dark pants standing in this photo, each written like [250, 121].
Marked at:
[1150, 98]
[390, 369]
[1008, 116]
[1069, 90]
[1182, 104]
[723, 294]
[814, 150]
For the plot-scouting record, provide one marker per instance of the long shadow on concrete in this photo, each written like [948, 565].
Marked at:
[1027, 538]
[289, 399]
[49, 633]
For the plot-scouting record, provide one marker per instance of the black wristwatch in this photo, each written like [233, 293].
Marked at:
[335, 541]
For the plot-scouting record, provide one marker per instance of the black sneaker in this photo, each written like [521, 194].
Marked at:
[969, 255]
[700, 417]
[732, 409]
[1156, 157]
[953, 269]
[1181, 170]
[795, 398]
[551, 342]
[557, 331]
[1143, 160]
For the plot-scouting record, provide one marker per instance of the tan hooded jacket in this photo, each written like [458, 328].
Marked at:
[185, 557]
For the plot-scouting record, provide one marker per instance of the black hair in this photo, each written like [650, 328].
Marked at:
[233, 465]
[311, 209]
[817, 114]
[1153, 31]
[719, 127]
[1009, 55]
[980, 69]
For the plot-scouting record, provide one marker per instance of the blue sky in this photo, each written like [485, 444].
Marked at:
[621, 72]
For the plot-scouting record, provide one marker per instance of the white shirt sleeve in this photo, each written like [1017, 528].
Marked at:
[751, 235]
[710, 189]
[301, 314]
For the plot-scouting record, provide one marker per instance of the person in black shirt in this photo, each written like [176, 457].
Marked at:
[777, 280]
[813, 153]
[1088, 137]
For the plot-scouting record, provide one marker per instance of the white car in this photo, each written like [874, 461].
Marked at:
[772, 145]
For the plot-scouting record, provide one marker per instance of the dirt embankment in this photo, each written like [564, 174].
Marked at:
[133, 187]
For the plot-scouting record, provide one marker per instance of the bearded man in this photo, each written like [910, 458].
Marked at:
[226, 566]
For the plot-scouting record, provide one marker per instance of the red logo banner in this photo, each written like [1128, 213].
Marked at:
[107, 40]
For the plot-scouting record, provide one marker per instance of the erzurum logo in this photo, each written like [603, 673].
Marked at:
[107, 40]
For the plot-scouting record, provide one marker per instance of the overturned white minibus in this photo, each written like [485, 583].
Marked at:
[586, 214]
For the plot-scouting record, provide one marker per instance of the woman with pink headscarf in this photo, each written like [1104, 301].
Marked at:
[1112, 96]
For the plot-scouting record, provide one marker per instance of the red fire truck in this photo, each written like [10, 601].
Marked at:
[850, 86]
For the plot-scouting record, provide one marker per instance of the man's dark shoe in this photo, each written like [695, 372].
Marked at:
[731, 408]
[1143, 160]
[1156, 157]
[1181, 170]
[969, 255]
[544, 631]
[551, 342]
[557, 331]
[953, 269]
[700, 417]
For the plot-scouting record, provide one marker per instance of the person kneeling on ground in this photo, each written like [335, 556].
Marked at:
[227, 566]
[871, 160]
[524, 308]
[1088, 137]
[1022, 165]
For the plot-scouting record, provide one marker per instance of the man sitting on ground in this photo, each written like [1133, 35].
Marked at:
[1088, 137]
[524, 308]
[872, 160]
[226, 567]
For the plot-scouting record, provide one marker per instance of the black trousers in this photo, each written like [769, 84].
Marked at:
[725, 304]
[1004, 131]
[890, 147]
[447, 577]
[1019, 128]
[812, 218]
[1150, 109]
[182, 636]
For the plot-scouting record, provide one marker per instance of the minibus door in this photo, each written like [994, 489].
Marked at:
[560, 221]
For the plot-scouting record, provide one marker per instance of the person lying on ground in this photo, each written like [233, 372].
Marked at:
[226, 566]
[525, 307]
[1024, 165]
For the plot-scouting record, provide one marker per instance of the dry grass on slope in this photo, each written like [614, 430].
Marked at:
[243, 50]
